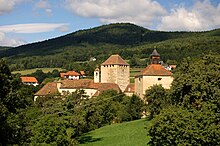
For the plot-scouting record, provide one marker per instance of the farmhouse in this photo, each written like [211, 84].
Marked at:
[71, 75]
[154, 74]
[29, 81]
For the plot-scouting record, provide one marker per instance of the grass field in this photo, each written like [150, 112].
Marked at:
[123, 134]
[29, 71]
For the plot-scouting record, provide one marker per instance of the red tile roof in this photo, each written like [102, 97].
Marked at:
[69, 73]
[130, 88]
[73, 73]
[78, 84]
[29, 79]
[115, 60]
[88, 84]
[155, 70]
[49, 88]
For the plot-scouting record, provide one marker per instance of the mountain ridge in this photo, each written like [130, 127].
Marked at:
[118, 33]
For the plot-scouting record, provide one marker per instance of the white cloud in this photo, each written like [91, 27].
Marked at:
[6, 41]
[7, 6]
[45, 5]
[142, 12]
[202, 16]
[34, 27]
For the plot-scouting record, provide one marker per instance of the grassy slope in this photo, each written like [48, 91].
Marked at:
[124, 134]
[30, 71]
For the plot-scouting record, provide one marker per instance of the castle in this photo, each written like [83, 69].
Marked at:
[114, 74]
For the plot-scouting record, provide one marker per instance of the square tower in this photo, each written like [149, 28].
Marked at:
[116, 70]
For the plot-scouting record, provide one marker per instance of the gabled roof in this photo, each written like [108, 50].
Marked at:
[88, 84]
[115, 60]
[73, 73]
[78, 84]
[130, 88]
[29, 79]
[155, 70]
[108, 86]
[49, 88]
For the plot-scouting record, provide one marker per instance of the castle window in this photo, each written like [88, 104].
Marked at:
[104, 65]
[159, 79]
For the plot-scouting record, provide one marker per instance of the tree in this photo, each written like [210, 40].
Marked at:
[135, 107]
[13, 98]
[156, 98]
[179, 126]
[197, 81]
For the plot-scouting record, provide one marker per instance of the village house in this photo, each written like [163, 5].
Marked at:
[154, 74]
[29, 81]
[71, 75]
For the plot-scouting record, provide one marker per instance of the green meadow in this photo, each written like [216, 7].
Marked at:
[30, 71]
[123, 134]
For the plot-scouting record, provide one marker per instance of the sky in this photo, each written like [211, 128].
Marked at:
[28, 21]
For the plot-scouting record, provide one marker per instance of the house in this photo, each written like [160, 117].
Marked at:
[63, 87]
[29, 81]
[71, 75]
[116, 70]
[154, 74]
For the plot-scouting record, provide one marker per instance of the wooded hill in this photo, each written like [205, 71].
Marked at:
[132, 42]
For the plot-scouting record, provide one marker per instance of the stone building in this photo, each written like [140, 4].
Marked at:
[115, 70]
[153, 74]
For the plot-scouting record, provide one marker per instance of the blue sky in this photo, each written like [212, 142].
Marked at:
[27, 21]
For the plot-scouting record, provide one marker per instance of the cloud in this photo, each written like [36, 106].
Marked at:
[202, 16]
[142, 12]
[7, 6]
[45, 5]
[6, 41]
[34, 27]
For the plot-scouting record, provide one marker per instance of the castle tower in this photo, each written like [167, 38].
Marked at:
[96, 75]
[153, 74]
[115, 70]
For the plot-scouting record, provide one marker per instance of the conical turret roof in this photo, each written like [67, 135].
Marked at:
[155, 53]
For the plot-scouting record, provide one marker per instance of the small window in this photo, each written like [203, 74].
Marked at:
[159, 79]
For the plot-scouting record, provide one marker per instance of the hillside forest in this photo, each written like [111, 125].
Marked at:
[133, 43]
